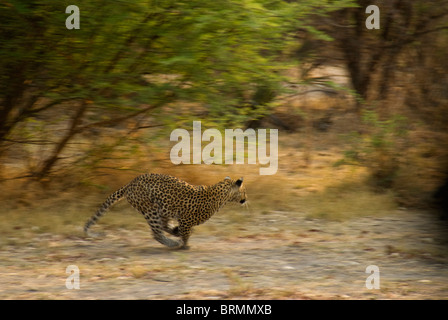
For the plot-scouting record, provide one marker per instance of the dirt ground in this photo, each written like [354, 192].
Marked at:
[275, 255]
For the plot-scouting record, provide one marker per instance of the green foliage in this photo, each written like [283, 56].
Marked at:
[219, 51]
[378, 148]
[383, 133]
[225, 56]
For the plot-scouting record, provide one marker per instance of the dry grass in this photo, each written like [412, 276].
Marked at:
[348, 200]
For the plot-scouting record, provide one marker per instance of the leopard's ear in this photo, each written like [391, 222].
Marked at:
[239, 182]
[227, 178]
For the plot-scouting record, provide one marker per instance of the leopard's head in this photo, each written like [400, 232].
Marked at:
[237, 191]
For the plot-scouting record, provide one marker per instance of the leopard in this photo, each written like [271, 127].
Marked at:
[161, 198]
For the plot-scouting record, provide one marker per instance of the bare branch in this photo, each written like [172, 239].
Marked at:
[119, 119]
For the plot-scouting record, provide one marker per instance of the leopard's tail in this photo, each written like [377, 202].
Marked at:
[110, 201]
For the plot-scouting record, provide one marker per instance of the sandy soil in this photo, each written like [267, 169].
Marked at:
[276, 255]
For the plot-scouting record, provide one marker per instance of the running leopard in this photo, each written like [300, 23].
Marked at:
[160, 198]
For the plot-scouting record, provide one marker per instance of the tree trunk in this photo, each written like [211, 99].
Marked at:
[51, 161]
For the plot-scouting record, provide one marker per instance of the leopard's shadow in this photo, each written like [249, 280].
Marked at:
[153, 250]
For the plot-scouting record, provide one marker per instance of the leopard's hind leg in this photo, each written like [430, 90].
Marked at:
[156, 224]
[165, 227]
[152, 213]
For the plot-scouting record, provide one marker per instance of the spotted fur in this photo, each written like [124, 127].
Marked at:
[161, 198]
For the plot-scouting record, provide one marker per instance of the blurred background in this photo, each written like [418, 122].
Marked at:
[361, 113]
